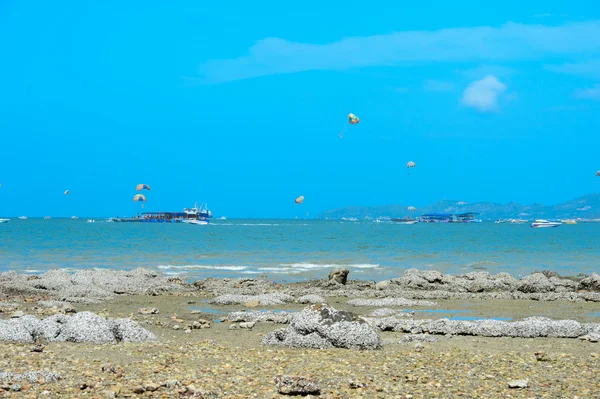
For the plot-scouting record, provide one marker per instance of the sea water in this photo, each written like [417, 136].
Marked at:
[294, 250]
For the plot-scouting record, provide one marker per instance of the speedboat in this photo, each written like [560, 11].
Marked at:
[47, 218]
[195, 221]
[540, 223]
[74, 217]
[4, 220]
[405, 221]
[91, 221]
[22, 217]
[569, 221]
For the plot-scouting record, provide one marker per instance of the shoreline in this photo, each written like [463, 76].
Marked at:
[211, 336]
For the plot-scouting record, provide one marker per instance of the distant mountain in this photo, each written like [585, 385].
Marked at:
[586, 207]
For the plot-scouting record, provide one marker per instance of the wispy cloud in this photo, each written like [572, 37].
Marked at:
[438, 85]
[483, 94]
[588, 68]
[509, 42]
[542, 15]
[592, 93]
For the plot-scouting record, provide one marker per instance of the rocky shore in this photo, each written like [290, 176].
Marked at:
[425, 334]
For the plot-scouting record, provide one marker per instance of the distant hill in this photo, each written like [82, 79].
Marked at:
[586, 207]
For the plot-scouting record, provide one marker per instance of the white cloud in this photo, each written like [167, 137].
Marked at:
[592, 93]
[509, 42]
[483, 94]
[438, 85]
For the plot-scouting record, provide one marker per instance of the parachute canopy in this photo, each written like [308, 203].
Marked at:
[299, 200]
[411, 164]
[141, 187]
[139, 198]
[412, 208]
[353, 119]
[598, 173]
[66, 192]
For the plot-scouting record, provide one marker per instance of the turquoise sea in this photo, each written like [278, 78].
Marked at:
[293, 250]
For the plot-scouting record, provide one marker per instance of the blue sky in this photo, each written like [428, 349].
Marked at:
[241, 104]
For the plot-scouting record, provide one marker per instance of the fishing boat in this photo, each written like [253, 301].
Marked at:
[541, 223]
[198, 213]
[4, 220]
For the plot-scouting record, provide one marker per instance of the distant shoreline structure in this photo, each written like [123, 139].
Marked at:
[582, 209]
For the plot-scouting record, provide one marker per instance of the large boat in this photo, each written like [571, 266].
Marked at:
[197, 213]
[540, 223]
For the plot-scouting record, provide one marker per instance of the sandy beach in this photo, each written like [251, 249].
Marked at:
[202, 346]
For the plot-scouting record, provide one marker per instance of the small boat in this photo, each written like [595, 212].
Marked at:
[518, 221]
[540, 223]
[223, 218]
[91, 221]
[405, 221]
[23, 217]
[47, 218]
[195, 221]
[74, 217]
[4, 220]
[500, 221]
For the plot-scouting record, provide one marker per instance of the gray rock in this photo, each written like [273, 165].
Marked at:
[311, 298]
[86, 327]
[532, 327]
[590, 283]
[261, 317]
[320, 326]
[382, 285]
[31, 377]
[81, 327]
[294, 385]
[593, 337]
[383, 312]
[518, 384]
[536, 282]
[403, 302]
[87, 286]
[248, 325]
[339, 276]
[127, 330]
[408, 338]
[264, 299]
